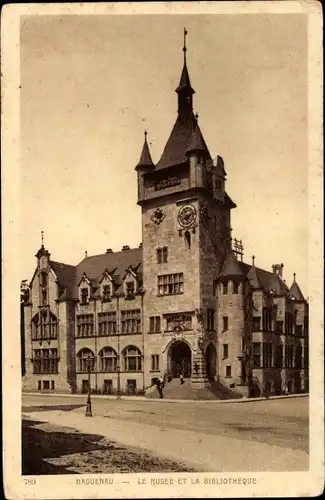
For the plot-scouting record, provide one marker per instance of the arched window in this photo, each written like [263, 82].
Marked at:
[132, 359]
[108, 360]
[44, 325]
[187, 240]
[82, 358]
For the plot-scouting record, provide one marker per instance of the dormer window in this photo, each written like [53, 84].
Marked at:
[130, 289]
[106, 297]
[84, 296]
[218, 185]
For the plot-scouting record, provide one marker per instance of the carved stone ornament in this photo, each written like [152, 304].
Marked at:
[158, 216]
[199, 316]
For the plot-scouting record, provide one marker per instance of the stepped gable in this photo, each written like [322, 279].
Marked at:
[66, 275]
[116, 263]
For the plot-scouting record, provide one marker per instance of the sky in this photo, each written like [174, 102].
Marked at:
[91, 85]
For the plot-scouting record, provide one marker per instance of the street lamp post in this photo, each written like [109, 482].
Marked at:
[118, 395]
[89, 362]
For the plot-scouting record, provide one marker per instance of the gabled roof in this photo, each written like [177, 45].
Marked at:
[66, 275]
[116, 263]
[179, 141]
[253, 278]
[231, 267]
[296, 292]
[268, 281]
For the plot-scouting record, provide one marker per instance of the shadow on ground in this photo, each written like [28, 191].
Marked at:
[38, 445]
[29, 409]
[49, 449]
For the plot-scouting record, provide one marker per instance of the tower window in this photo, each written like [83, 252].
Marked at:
[154, 324]
[210, 319]
[218, 185]
[225, 288]
[44, 297]
[225, 323]
[235, 288]
[225, 351]
[162, 255]
[228, 371]
[187, 240]
[170, 284]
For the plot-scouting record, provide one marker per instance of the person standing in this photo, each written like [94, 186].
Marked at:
[181, 378]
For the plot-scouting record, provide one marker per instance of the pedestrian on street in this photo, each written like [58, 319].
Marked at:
[162, 381]
[181, 377]
[286, 391]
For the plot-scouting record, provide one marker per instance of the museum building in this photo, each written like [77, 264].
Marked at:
[183, 302]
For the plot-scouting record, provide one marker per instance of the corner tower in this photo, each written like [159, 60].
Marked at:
[185, 235]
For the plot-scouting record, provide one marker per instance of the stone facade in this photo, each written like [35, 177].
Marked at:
[184, 302]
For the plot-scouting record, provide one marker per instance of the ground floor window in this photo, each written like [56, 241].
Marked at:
[267, 355]
[132, 359]
[45, 361]
[155, 362]
[83, 360]
[108, 360]
[131, 386]
[256, 354]
[108, 387]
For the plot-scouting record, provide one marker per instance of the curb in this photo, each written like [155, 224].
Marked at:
[158, 400]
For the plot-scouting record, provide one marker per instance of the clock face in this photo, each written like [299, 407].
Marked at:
[187, 215]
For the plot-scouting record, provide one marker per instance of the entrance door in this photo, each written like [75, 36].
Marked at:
[84, 386]
[180, 359]
[211, 361]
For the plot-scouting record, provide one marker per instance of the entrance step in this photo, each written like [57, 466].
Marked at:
[175, 390]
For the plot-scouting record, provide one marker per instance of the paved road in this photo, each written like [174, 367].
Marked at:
[282, 422]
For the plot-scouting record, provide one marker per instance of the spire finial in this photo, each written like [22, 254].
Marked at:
[253, 260]
[196, 116]
[42, 237]
[294, 276]
[184, 47]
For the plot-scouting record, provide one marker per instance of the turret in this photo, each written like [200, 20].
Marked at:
[145, 165]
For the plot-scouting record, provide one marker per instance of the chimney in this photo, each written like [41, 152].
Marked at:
[140, 246]
[277, 269]
[109, 250]
[125, 248]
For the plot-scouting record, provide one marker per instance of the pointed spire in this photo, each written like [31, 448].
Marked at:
[231, 267]
[184, 90]
[145, 158]
[197, 142]
[253, 260]
[295, 291]
[42, 238]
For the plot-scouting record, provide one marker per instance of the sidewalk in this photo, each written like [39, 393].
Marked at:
[206, 453]
[165, 400]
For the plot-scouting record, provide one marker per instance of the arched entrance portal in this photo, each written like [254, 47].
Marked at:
[179, 359]
[211, 361]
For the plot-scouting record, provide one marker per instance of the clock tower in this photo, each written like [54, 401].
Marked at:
[185, 236]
